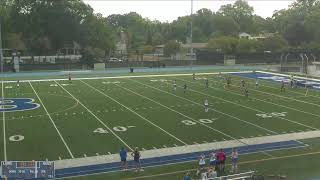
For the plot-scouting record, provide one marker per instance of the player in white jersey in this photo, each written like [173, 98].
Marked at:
[206, 105]
[257, 84]
[175, 85]
[18, 83]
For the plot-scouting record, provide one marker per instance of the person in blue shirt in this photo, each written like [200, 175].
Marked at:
[123, 158]
[187, 176]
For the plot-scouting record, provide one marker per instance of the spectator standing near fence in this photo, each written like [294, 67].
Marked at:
[202, 162]
[221, 156]
[234, 159]
[187, 176]
[123, 158]
[136, 158]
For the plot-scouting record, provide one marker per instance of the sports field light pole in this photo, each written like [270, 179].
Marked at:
[1, 54]
[191, 48]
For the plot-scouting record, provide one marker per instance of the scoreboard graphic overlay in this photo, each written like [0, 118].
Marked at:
[27, 170]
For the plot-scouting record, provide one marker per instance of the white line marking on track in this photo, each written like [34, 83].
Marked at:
[4, 127]
[126, 77]
[135, 113]
[53, 123]
[118, 137]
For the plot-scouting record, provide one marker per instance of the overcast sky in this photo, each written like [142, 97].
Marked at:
[168, 10]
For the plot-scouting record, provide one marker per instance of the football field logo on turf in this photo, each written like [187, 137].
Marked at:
[17, 104]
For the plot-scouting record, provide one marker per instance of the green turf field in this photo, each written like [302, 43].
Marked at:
[91, 117]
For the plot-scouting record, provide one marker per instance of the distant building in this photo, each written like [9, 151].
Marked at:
[259, 37]
[121, 44]
[244, 35]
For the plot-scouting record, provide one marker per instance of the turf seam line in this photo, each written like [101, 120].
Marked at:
[135, 113]
[53, 123]
[4, 128]
[118, 137]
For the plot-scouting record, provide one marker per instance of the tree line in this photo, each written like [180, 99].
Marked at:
[42, 27]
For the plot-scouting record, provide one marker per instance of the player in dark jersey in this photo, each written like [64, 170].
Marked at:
[185, 88]
[242, 84]
[194, 76]
[282, 88]
[69, 77]
[246, 92]
[207, 83]
[228, 82]
[136, 158]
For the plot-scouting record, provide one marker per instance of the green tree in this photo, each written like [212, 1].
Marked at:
[274, 44]
[225, 44]
[171, 48]
[241, 12]
[247, 45]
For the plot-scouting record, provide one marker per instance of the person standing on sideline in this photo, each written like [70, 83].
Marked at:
[187, 176]
[123, 158]
[234, 159]
[136, 158]
[202, 162]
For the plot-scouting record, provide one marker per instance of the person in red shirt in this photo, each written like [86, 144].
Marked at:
[221, 157]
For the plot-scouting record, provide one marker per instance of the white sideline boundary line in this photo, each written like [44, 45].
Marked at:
[109, 129]
[94, 160]
[278, 157]
[166, 132]
[54, 125]
[124, 77]
[4, 128]
[286, 75]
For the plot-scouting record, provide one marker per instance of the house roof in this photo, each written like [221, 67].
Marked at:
[195, 45]
[244, 34]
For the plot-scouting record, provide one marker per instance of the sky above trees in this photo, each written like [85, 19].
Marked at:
[171, 10]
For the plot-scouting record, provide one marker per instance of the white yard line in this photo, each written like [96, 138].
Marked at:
[4, 126]
[135, 113]
[67, 163]
[124, 77]
[53, 123]
[247, 107]
[96, 117]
